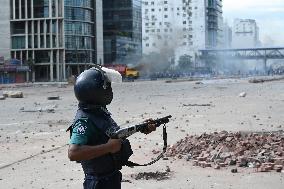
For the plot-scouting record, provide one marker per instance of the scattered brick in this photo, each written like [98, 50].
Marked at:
[262, 150]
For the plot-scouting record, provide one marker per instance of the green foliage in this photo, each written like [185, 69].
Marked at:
[185, 62]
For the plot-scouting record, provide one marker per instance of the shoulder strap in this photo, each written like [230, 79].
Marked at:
[165, 137]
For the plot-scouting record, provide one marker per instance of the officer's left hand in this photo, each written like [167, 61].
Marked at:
[151, 126]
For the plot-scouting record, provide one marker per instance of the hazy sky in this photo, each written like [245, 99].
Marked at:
[269, 15]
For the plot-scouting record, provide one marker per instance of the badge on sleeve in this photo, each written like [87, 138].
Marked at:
[81, 129]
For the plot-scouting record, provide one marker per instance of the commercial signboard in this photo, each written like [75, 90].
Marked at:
[23, 68]
[14, 68]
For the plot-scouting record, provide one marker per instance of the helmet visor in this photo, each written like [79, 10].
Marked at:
[112, 76]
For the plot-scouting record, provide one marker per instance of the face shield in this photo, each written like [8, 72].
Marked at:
[112, 76]
[109, 75]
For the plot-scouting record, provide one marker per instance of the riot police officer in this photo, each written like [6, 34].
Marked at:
[101, 157]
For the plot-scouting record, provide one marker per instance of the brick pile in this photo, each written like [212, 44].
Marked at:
[262, 151]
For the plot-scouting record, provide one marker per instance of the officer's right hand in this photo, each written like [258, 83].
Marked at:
[114, 145]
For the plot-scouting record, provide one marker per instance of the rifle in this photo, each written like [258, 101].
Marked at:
[123, 133]
[128, 131]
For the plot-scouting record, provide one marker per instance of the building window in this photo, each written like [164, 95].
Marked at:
[147, 44]
[18, 42]
[165, 16]
[165, 9]
[184, 22]
[165, 2]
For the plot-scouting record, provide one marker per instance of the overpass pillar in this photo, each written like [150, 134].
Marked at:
[265, 66]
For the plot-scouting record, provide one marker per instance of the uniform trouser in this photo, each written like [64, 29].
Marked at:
[112, 181]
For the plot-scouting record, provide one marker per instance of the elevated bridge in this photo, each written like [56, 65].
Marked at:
[242, 54]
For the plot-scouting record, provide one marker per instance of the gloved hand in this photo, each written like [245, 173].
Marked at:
[151, 126]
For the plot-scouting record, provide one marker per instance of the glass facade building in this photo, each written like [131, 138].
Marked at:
[79, 31]
[57, 36]
[122, 21]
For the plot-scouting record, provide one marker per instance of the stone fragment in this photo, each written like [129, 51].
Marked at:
[13, 94]
[243, 94]
[53, 98]
[217, 167]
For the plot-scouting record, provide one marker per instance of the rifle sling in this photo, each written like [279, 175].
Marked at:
[165, 137]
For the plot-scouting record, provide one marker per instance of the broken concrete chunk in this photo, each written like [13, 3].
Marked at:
[13, 94]
[53, 98]
[243, 94]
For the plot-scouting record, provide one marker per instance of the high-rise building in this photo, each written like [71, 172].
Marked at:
[58, 37]
[183, 25]
[227, 36]
[167, 25]
[5, 36]
[122, 31]
[208, 23]
[245, 33]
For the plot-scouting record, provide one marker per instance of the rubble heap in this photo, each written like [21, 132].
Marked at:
[263, 151]
[153, 175]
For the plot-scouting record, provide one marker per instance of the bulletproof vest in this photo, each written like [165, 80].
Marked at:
[101, 119]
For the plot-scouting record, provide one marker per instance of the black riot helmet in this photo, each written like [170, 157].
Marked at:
[93, 87]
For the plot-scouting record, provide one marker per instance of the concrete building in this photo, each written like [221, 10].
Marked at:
[122, 31]
[182, 25]
[167, 25]
[245, 34]
[5, 36]
[57, 38]
[207, 24]
[227, 36]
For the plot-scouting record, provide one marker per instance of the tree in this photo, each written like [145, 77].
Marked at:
[185, 62]
[31, 64]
